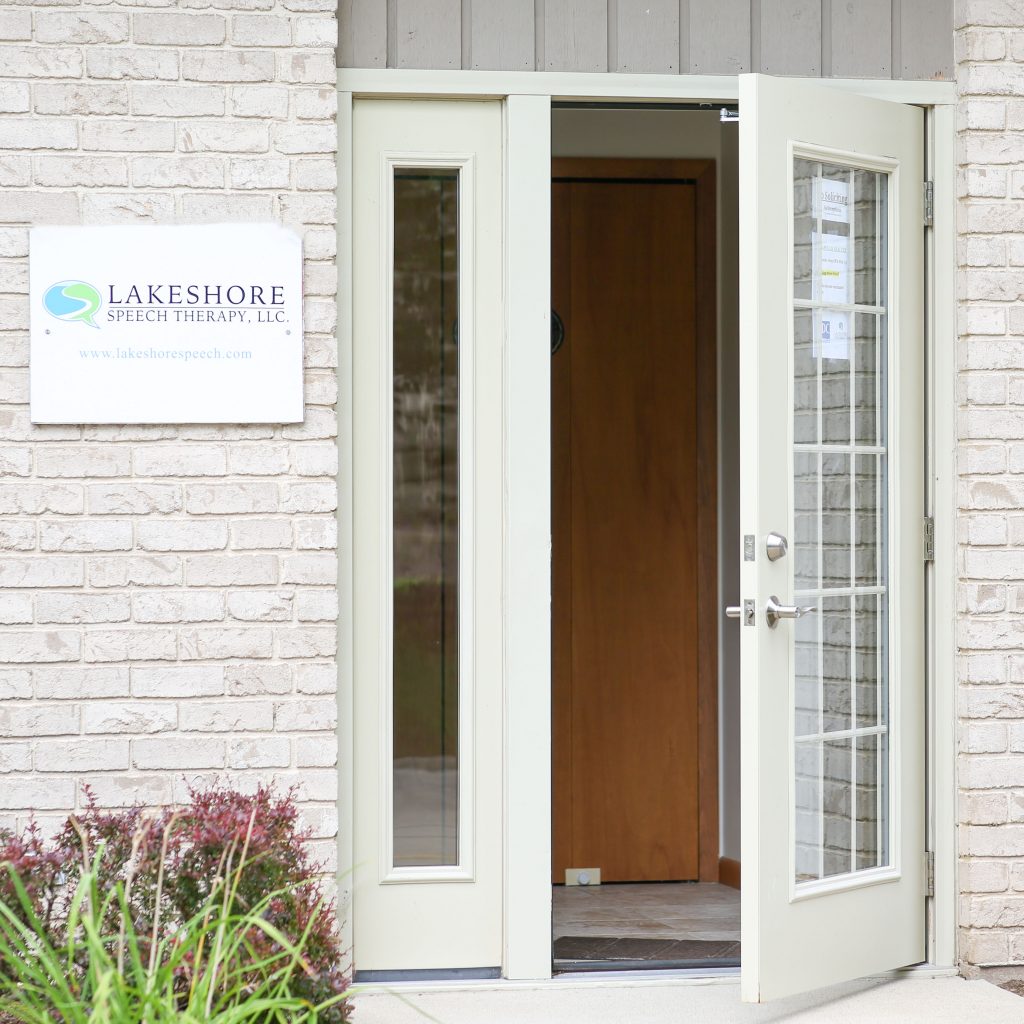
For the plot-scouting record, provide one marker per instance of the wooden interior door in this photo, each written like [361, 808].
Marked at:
[628, 487]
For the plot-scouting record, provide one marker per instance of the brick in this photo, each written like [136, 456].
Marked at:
[133, 499]
[166, 29]
[307, 642]
[139, 571]
[315, 104]
[257, 680]
[305, 138]
[315, 752]
[85, 535]
[226, 207]
[131, 790]
[228, 66]
[217, 644]
[316, 606]
[136, 208]
[125, 63]
[82, 608]
[128, 136]
[175, 606]
[89, 171]
[80, 755]
[262, 752]
[309, 497]
[316, 32]
[259, 101]
[223, 499]
[180, 460]
[260, 30]
[316, 535]
[259, 534]
[178, 681]
[39, 720]
[306, 716]
[227, 716]
[15, 609]
[38, 794]
[15, 757]
[265, 173]
[178, 101]
[231, 570]
[309, 569]
[17, 536]
[306, 68]
[81, 98]
[41, 62]
[91, 27]
[30, 133]
[15, 25]
[316, 175]
[175, 752]
[15, 97]
[136, 716]
[15, 684]
[182, 535]
[33, 499]
[130, 645]
[260, 605]
[235, 137]
[37, 572]
[73, 683]
[316, 678]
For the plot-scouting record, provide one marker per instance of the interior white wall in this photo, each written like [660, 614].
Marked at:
[696, 135]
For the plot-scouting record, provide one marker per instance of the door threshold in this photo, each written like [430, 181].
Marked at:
[563, 967]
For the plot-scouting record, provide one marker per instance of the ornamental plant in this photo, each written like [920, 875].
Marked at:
[146, 908]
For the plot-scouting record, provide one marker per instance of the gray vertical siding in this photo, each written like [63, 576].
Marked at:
[911, 39]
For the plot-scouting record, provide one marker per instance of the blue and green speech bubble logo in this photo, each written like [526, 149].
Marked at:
[73, 300]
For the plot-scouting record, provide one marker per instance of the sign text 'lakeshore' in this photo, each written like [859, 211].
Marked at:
[166, 324]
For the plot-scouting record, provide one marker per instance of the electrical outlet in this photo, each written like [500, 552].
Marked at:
[582, 876]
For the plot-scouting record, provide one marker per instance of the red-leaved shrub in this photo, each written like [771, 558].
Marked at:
[173, 856]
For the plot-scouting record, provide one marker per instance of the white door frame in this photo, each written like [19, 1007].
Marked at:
[526, 558]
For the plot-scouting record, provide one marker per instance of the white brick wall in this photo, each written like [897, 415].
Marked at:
[990, 77]
[169, 593]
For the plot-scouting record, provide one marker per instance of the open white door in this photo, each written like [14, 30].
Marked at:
[832, 427]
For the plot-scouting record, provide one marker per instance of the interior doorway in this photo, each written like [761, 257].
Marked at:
[638, 577]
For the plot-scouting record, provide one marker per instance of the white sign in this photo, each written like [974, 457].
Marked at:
[831, 255]
[166, 324]
[833, 336]
[832, 200]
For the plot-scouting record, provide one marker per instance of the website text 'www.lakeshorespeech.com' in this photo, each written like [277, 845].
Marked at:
[180, 355]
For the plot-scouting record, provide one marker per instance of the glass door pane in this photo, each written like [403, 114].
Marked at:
[841, 332]
[425, 524]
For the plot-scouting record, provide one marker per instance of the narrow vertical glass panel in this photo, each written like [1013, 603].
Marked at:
[806, 520]
[841, 711]
[868, 484]
[425, 539]
[836, 519]
[867, 661]
[837, 807]
[836, 653]
[834, 344]
[870, 833]
[808, 823]
[805, 378]
[807, 669]
[868, 230]
[805, 174]
[867, 357]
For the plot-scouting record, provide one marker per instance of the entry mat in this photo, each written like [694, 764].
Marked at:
[599, 953]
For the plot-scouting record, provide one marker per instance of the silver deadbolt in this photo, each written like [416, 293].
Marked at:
[743, 611]
[773, 611]
[776, 546]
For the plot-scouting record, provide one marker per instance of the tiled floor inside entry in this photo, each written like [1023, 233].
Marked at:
[652, 922]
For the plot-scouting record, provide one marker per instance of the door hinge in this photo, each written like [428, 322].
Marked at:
[929, 873]
[929, 539]
[929, 203]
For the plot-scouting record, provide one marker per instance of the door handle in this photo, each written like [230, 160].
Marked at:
[773, 611]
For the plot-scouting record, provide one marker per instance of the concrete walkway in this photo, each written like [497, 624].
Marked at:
[948, 1000]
